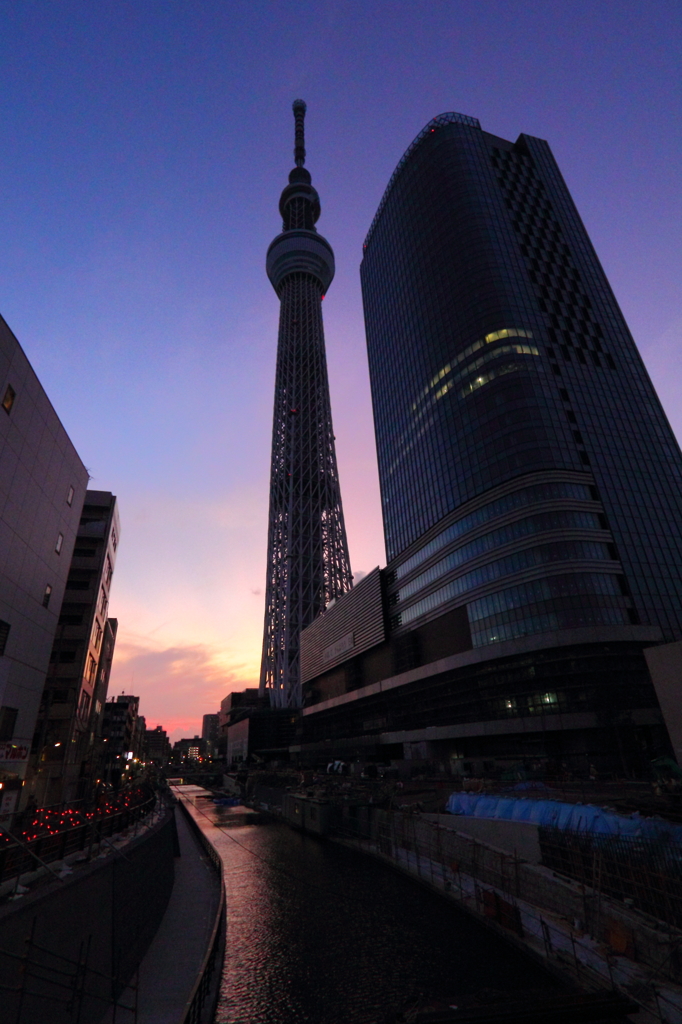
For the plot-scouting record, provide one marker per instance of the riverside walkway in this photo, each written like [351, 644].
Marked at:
[172, 967]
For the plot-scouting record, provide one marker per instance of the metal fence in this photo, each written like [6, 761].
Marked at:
[644, 873]
[60, 964]
[66, 987]
[201, 1004]
[495, 886]
[54, 841]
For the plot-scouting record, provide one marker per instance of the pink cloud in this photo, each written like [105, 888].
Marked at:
[171, 680]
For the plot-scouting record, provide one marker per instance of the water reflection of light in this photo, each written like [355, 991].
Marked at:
[317, 933]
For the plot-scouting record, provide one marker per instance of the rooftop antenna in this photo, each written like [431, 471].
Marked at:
[299, 108]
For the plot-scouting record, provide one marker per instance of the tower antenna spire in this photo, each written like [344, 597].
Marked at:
[299, 108]
[307, 562]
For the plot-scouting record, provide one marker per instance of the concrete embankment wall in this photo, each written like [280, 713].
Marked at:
[515, 837]
[497, 861]
[81, 940]
[598, 941]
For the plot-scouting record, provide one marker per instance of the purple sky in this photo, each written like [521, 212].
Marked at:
[145, 145]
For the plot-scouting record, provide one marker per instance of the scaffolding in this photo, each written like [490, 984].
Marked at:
[63, 988]
[644, 873]
[497, 887]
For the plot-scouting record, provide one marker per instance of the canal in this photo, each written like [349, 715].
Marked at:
[319, 933]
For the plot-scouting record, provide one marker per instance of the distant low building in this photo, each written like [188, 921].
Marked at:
[210, 733]
[242, 728]
[139, 733]
[236, 705]
[118, 734]
[262, 732]
[157, 746]
[189, 749]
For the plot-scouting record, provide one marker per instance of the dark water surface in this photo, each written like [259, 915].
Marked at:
[321, 934]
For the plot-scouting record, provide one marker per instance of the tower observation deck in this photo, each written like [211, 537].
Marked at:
[307, 559]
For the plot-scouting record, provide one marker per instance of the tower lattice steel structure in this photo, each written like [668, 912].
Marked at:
[308, 564]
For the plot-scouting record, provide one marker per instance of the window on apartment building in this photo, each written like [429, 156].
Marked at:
[79, 579]
[109, 572]
[103, 605]
[92, 668]
[4, 633]
[84, 550]
[69, 496]
[8, 719]
[97, 635]
[8, 400]
[47, 595]
[72, 614]
[114, 540]
[84, 705]
[60, 541]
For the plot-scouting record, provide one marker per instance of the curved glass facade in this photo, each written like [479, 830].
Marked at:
[560, 551]
[508, 503]
[556, 602]
[517, 530]
[498, 354]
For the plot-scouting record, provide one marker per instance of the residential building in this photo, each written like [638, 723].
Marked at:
[42, 487]
[262, 734]
[237, 705]
[139, 734]
[531, 485]
[95, 767]
[69, 721]
[210, 733]
[118, 734]
[189, 749]
[157, 746]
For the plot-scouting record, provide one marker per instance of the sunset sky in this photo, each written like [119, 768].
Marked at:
[145, 145]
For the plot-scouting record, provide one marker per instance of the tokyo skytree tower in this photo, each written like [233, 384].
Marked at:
[307, 561]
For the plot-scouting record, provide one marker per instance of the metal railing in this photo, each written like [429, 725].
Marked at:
[61, 984]
[200, 1005]
[645, 873]
[491, 885]
[53, 839]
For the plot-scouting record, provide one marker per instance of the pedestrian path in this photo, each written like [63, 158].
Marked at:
[171, 966]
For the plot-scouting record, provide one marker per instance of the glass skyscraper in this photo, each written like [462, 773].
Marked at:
[528, 472]
[531, 488]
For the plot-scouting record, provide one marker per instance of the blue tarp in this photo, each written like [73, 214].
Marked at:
[578, 817]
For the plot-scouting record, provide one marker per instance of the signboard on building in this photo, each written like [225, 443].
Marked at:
[349, 626]
[331, 653]
[13, 752]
